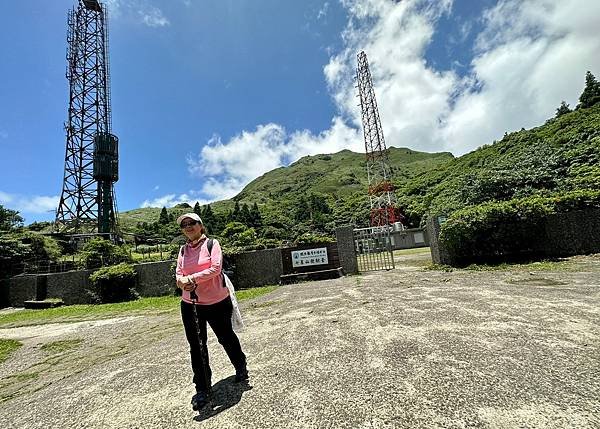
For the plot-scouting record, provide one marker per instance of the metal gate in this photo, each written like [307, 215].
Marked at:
[373, 248]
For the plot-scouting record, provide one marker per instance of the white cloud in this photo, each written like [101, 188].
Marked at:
[227, 167]
[526, 60]
[143, 12]
[167, 201]
[6, 198]
[153, 17]
[529, 58]
[323, 11]
[33, 204]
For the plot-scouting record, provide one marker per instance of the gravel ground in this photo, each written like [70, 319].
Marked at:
[397, 349]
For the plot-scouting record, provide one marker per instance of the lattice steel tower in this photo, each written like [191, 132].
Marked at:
[87, 203]
[381, 190]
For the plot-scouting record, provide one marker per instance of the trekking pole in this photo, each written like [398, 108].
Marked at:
[203, 346]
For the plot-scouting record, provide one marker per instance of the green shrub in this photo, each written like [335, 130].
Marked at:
[113, 284]
[309, 237]
[100, 253]
[12, 254]
[42, 247]
[20, 248]
[497, 231]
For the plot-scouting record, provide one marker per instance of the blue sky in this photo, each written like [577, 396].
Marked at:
[208, 95]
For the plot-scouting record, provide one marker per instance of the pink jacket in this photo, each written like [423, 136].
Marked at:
[205, 269]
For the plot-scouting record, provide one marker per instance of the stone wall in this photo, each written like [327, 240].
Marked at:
[572, 233]
[20, 289]
[258, 268]
[252, 269]
[345, 241]
[439, 254]
[70, 286]
[155, 278]
[565, 234]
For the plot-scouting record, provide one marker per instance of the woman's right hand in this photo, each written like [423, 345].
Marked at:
[185, 283]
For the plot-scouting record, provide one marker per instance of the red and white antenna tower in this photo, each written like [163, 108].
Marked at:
[381, 190]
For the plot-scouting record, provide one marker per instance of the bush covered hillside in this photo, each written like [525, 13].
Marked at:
[316, 194]
[561, 155]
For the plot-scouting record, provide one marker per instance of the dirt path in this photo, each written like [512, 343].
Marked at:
[405, 348]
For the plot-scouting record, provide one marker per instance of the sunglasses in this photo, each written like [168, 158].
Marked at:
[186, 224]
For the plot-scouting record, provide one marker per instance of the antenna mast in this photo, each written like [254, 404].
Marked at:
[381, 189]
[87, 203]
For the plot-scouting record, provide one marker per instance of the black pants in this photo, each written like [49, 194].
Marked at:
[218, 317]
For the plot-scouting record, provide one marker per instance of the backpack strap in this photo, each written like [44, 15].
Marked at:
[209, 246]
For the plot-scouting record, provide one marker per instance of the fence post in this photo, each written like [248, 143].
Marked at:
[345, 242]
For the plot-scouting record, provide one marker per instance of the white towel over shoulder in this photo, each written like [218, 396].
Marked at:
[236, 316]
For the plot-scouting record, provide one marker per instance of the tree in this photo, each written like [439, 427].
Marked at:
[9, 219]
[208, 213]
[164, 216]
[302, 212]
[245, 217]
[591, 93]
[198, 209]
[255, 217]
[235, 215]
[562, 109]
[210, 221]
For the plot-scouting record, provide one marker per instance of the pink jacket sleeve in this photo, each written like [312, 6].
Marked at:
[178, 269]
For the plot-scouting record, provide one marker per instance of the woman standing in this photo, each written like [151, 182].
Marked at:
[199, 276]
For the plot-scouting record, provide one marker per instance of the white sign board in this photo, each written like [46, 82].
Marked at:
[419, 238]
[305, 258]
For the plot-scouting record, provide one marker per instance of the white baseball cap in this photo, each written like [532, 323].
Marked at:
[188, 215]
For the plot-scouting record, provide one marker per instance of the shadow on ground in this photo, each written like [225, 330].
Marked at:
[226, 394]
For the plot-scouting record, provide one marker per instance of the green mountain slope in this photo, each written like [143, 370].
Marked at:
[561, 155]
[339, 174]
[342, 174]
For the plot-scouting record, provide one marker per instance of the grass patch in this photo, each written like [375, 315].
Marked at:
[7, 347]
[439, 267]
[546, 265]
[24, 376]
[414, 251]
[78, 313]
[244, 294]
[56, 347]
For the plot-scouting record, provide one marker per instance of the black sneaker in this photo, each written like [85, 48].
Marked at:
[241, 375]
[199, 400]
